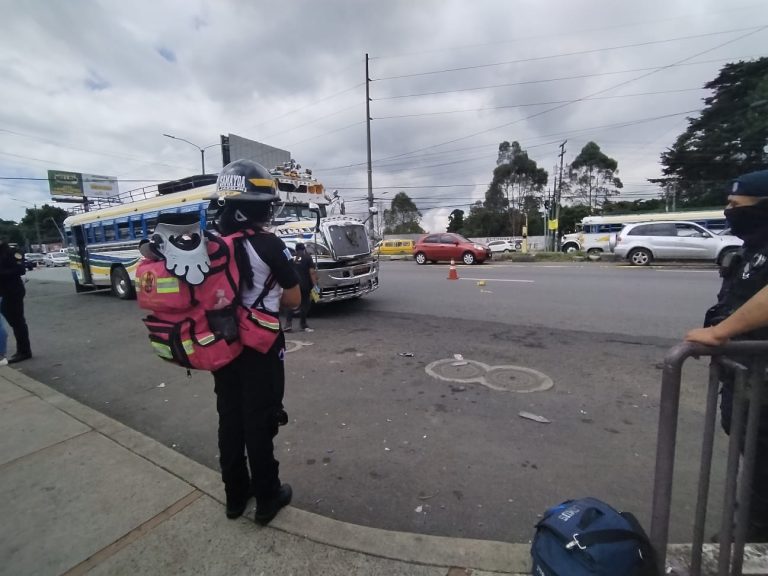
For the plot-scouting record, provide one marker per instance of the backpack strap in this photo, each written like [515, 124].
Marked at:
[583, 541]
[268, 285]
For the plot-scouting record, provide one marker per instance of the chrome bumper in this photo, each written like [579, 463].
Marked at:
[348, 282]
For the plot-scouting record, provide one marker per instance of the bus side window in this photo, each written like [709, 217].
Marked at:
[97, 233]
[109, 232]
[149, 225]
[123, 231]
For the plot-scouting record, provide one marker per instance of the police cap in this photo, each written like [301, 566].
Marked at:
[751, 184]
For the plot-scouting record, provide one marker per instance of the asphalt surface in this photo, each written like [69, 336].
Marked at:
[376, 439]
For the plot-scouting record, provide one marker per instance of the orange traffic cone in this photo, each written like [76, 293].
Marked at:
[452, 274]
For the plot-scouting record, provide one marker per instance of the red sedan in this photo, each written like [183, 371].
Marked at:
[437, 247]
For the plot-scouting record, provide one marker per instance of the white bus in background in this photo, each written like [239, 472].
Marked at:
[593, 234]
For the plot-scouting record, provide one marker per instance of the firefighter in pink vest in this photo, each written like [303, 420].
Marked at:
[249, 390]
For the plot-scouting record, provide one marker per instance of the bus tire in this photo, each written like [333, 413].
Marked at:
[122, 286]
[640, 257]
[570, 248]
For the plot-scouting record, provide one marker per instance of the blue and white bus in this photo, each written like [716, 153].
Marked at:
[593, 233]
[104, 244]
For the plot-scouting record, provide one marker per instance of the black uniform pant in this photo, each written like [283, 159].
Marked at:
[306, 302]
[758, 517]
[249, 399]
[12, 308]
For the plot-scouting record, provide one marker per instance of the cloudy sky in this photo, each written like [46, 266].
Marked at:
[91, 86]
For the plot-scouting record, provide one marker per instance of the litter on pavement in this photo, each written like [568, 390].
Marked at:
[534, 417]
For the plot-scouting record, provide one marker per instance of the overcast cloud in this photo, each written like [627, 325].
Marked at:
[91, 86]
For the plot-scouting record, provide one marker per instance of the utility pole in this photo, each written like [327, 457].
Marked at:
[37, 228]
[368, 127]
[559, 196]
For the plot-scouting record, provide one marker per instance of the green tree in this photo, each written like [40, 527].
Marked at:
[43, 218]
[625, 206]
[570, 216]
[10, 232]
[514, 191]
[727, 139]
[456, 221]
[519, 177]
[402, 217]
[593, 176]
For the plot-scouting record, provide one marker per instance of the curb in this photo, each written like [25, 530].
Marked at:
[482, 555]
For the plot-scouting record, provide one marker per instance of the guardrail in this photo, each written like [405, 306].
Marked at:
[747, 360]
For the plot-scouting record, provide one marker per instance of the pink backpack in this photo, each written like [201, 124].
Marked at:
[197, 320]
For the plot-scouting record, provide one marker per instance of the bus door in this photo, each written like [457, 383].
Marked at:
[82, 253]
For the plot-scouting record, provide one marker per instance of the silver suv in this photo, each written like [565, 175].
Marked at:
[644, 242]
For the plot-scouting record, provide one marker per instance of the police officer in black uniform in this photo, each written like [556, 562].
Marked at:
[744, 275]
[249, 390]
[12, 291]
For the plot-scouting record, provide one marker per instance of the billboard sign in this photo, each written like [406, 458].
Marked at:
[99, 186]
[63, 183]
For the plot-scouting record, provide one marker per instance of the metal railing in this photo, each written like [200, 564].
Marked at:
[747, 361]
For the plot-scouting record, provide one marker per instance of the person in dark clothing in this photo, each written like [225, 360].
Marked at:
[249, 390]
[745, 275]
[307, 272]
[12, 292]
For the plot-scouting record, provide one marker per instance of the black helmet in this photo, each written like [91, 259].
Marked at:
[245, 192]
[245, 181]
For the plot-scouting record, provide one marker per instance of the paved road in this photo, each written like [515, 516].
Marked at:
[375, 438]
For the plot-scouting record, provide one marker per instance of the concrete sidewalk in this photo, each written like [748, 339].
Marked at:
[82, 493]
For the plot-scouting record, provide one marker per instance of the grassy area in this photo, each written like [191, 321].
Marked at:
[545, 257]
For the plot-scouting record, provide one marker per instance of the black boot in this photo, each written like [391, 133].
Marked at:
[236, 506]
[19, 357]
[266, 510]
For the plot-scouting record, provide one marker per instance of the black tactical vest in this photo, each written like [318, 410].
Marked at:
[744, 275]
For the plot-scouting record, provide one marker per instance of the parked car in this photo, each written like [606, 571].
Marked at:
[56, 259]
[444, 247]
[33, 259]
[643, 242]
[394, 247]
[500, 246]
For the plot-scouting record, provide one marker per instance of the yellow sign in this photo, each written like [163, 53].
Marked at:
[552, 224]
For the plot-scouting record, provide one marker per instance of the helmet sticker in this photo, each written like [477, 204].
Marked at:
[231, 182]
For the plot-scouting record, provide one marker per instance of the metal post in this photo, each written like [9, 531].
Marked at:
[368, 130]
[705, 470]
[559, 194]
[756, 384]
[669, 405]
[37, 228]
[202, 158]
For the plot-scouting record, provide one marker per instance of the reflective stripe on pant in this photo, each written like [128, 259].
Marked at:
[249, 400]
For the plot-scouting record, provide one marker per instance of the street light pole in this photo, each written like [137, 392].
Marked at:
[201, 148]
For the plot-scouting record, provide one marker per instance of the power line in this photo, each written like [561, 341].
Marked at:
[299, 109]
[310, 122]
[545, 80]
[566, 34]
[60, 145]
[602, 91]
[564, 54]
[326, 133]
[535, 104]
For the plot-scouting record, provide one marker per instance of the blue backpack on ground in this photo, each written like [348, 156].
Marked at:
[587, 537]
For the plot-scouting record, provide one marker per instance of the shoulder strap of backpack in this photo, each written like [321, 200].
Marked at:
[268, 285]
[588, 539]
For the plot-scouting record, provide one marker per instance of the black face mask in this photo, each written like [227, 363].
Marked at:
[748, 222]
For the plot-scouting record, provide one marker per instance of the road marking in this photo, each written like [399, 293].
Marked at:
[498, 280]
[493, 377]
